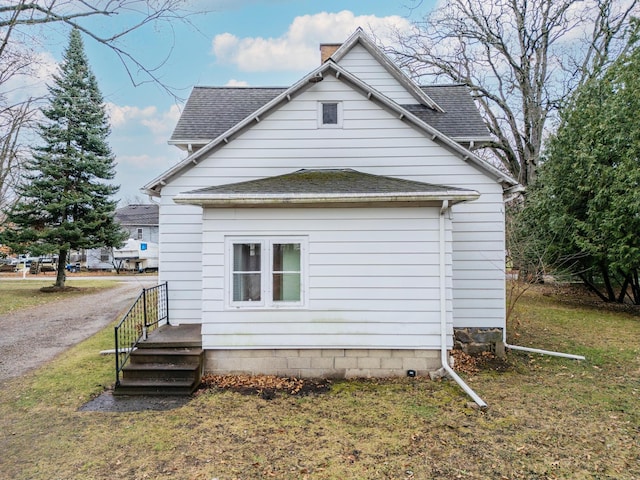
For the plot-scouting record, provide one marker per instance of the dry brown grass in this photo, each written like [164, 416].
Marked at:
[548, 418]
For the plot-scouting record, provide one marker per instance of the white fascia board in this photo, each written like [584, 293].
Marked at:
[267, 200]
[194, 141]
[360, 37]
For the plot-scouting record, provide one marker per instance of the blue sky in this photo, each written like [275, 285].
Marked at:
[241, 42]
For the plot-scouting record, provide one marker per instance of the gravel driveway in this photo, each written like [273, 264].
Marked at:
[33, 336]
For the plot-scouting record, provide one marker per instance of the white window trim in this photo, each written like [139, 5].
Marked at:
[266, 302]
[320, 115]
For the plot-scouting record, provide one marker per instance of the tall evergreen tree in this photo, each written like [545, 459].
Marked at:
[586, 204]
[66, 202]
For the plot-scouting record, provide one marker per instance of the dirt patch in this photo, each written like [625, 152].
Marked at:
[107, 402]
[55, 289]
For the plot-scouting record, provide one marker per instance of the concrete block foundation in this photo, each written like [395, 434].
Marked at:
[322, 363]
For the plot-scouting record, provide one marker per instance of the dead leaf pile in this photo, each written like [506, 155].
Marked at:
[265, 385]
[464, 363]
[470, 364]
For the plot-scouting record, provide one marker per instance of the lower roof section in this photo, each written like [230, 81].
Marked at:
[324, 188]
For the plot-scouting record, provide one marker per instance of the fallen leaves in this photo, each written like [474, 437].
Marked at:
[265, 385]
[471, 364]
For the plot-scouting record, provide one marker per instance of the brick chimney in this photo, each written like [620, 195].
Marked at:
[327, 49]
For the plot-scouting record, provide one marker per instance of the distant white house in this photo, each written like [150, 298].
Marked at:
[141, 221]
[338, 227]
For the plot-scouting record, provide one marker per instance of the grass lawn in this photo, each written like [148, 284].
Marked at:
[548, 418]
[15, 294]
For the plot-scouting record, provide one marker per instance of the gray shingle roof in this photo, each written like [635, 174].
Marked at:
[327, 181]
[211, 111]
[138, 214]
[330, 187]
[461, 118]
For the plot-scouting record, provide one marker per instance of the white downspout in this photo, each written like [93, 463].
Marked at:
[538, 350]
[443, 313]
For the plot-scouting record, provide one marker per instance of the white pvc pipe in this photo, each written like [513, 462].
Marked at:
[443, 314]
[544, 352]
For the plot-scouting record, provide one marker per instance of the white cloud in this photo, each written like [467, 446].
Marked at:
[162, 125]
[236, 83]
[298, 48]
[121, 115]
[125, 119]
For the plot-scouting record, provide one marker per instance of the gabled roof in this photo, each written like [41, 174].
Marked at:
[138, 214]
[361, 38]
[211, 111]
[329, 68]
[325, 186]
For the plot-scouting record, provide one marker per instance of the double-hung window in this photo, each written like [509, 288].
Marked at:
[266, 272]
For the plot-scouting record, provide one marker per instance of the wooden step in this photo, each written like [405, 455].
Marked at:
[156, 387]
[166, 355]
[161, 371]
[155, 371]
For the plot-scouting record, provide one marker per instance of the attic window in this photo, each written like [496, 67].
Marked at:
[330, 114]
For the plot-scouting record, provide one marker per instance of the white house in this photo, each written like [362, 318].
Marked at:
[141, 222]
[338, 227]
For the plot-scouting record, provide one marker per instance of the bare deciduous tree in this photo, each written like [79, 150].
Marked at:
[22, 24]
[520, 59]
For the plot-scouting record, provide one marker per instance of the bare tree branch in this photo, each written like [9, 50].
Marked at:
[18, 58]
[520, 59]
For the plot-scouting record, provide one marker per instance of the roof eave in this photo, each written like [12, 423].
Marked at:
[304, 200]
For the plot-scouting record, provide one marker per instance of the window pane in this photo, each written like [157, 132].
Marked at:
[246, 257]
[286, 287]
[246, 272]
[246, 287]
[286, 272]
[330, 113]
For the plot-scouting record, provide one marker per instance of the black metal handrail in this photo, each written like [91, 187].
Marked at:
[150, 309]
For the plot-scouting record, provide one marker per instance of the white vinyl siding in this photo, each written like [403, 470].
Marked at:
[364, 292]
[359, 62]
[374, 141]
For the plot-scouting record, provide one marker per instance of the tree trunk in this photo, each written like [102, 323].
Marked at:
[607, 283]
[592, 287]
[62, 263]
[635, 287]
[623, 288]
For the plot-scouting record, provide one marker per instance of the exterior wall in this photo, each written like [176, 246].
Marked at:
[180, 255]
[372, 140]
[149, 232]
[359, 62]
[313, 363]
[373, 280]
[94, 260]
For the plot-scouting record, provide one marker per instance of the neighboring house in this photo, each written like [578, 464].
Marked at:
[339, 227]
[141, 221]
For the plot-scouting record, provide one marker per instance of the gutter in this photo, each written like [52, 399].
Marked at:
[443, 314]
[265, 200]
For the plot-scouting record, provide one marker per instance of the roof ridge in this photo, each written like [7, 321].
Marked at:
[239, 87]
